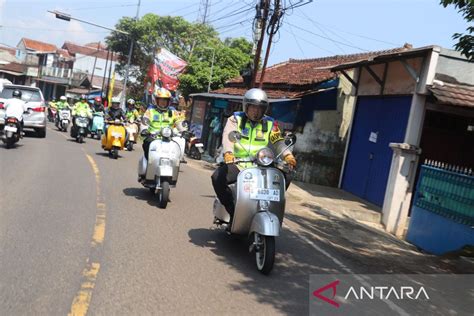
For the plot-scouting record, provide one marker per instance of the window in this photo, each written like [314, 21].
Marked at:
[27, 95]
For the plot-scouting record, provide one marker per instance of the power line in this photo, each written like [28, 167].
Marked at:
[354, 34]
[297, 43]
[51, 30]
[104, 7]
[311, 43]
[319, 28]
[325, 37]
[235, 12]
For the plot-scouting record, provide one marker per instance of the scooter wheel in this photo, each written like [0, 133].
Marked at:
[99, 135]
[164, 195]
[115, 153]
[264, 252]
[130, 146]
[80, 139]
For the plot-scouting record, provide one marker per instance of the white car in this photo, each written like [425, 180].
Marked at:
[35, 116]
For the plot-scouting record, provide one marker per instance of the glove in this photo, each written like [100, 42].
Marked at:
[229, 157]
[290, 160]
[145, 133]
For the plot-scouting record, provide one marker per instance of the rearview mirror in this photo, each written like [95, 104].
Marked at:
[234, 137]
[185, 124]
[290, 139]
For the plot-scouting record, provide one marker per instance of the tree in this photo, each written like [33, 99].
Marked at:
[465, 42]
[192, 42]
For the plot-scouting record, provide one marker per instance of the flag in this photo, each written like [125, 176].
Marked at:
[165, 70]
[111, 89]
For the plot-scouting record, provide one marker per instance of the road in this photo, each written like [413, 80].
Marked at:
[79, 234]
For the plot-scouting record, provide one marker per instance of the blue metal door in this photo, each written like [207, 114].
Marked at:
[378, 121]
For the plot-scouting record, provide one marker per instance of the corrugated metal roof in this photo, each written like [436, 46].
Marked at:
[237, 97]
[453, 94]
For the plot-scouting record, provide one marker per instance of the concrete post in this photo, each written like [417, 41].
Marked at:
[399, 188]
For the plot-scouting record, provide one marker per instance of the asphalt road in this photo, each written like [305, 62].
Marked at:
[78, 233]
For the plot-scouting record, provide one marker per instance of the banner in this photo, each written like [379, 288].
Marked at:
[165, 70]
[111, 90]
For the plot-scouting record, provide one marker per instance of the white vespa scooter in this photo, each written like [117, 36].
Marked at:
[259, 196]
[161, 170]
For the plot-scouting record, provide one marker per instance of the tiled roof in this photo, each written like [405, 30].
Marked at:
[300, 72]
[11, 51]
[63, 53]
[271, 93]
[453, 94]
[14, 67]
[74, 49]
[38, 46]
[94, 45]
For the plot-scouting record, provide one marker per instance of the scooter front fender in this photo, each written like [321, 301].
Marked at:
[265, 223]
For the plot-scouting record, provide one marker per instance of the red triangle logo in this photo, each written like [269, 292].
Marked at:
[332, 286]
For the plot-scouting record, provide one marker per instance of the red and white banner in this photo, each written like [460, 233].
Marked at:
[165, 69]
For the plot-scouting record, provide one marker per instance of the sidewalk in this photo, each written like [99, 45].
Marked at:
[341, 221]
[327, 200]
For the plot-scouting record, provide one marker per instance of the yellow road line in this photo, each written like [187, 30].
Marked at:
[81, 302]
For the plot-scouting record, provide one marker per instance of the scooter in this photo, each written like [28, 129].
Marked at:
[193, 148]
[97, 126]
[52, 114]
[259, 195]
[11, 131]
[161, 170]
[63, 119]
[80, 129]
[132, 130]
[114, 140]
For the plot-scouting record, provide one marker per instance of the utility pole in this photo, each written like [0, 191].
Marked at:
[105, 70]
[204, 11]
[261, 24]
[273, 22]
[210, 75]
[93, 69]
[124, 92]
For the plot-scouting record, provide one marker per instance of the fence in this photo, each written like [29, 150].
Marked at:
[446, 190]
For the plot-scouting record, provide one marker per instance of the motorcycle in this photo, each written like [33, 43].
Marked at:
[114, 139]
[80, 130]
[11, 131]
[193, 148]
[97, 127]
[259, 195]
[161, 170]
[52, 112]
[132, 128]
[63, 119]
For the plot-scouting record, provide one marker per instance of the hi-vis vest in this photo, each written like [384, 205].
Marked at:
[253, 138]
[159, 120]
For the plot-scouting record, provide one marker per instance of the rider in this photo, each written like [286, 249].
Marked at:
[157, 116]
[62, 104]
[81, 108]
[115, 112]
[15, 107]
[257, 131]
[131, 113]
[98, 106]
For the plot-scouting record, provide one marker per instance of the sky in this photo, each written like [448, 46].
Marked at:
[320, 28]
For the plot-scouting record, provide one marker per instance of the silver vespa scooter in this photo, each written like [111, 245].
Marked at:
[259, 196]
[161, 170]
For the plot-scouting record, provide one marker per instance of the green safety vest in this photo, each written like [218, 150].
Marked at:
[159, 120]
[253, 138]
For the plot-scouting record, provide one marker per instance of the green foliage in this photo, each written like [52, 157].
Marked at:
[465, 42]
[192, 42]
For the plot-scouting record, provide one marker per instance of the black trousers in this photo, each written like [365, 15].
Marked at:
[227, 174]
[146, 146]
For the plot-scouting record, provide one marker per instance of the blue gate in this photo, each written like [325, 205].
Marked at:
[378, 121]
[442, 217]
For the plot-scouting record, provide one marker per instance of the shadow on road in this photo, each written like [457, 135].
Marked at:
[142, 194]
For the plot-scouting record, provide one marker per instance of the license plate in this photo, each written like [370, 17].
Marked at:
[11, 129]
[199, 145]
[117, 135]
[265, 194]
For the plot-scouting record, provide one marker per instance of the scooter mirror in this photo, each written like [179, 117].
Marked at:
[185, 124]
[234, 136]
[290, 139]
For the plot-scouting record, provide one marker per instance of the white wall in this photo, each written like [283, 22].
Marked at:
[86, 63]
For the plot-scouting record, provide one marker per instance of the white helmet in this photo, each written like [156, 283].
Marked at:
[257, 97]
[63, 98]
[131, 101]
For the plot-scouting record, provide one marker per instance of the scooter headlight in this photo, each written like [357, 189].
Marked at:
[265, 157]
[166, 132]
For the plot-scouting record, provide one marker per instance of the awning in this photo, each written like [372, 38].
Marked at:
[14, 73]
[453, 94]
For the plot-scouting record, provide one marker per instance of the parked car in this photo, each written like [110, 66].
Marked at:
[35, 115]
